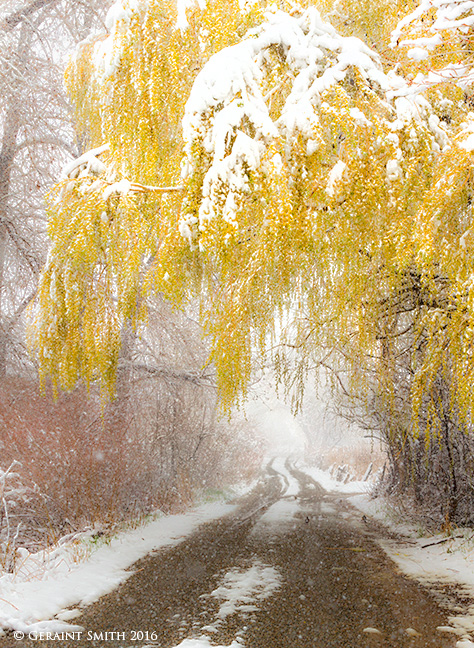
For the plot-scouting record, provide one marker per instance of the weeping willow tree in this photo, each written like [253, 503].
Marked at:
[317, 201]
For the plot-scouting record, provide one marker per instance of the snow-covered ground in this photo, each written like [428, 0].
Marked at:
[434, 560]
[290, 485]
[282, 512]
[47, 589]
[34, 599]
[332, 485]
[241, 590]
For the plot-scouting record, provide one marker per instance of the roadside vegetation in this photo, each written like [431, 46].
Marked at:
[293, 182]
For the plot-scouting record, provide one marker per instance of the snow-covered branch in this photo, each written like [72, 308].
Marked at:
[438, 26]
[89, 164]
[229, 115]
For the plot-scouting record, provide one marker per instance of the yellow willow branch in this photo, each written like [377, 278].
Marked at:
[136, 186]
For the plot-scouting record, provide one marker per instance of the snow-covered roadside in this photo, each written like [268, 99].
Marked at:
[36, 596]
[434, 560]
[328, 483]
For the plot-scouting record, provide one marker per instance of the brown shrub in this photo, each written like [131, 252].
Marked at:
[80, 465]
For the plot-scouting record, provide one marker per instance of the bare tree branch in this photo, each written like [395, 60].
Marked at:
[169, 373]
[17, 17]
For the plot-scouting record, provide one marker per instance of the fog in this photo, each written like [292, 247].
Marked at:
[316, 434]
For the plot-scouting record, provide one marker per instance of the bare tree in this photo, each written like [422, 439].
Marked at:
[36, 138]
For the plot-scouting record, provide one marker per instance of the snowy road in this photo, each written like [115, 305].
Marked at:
[292, 567]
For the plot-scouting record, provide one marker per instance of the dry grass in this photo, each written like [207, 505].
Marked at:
[357, 457]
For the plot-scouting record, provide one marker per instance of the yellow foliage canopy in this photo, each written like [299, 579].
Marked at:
[310, 183]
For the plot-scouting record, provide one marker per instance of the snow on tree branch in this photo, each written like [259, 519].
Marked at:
[448, 15]
[228, 116]
[293, 146]
[106, 50]
[182, 5]
[87, 163]
[436, 35]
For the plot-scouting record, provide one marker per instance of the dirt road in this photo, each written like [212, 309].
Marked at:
[292, 567]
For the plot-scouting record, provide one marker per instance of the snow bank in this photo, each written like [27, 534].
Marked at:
[35, 598]
[330, 484]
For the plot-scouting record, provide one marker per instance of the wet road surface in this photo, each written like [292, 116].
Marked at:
[319, 580]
